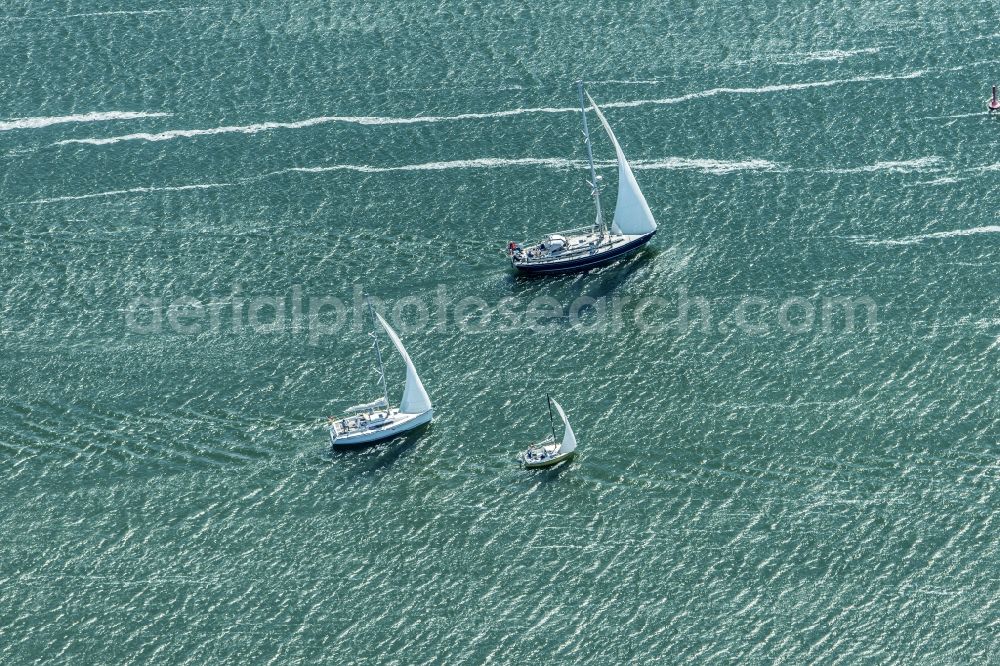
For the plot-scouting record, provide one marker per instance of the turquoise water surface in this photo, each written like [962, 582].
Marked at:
[758, 484]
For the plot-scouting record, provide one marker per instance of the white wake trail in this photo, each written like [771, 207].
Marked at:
[308, 122]
[943, 180]
[96, 116]
[387, 120]
[827, 55]
[134, 190]
[123, 12]
[783, 87]
[672, 163]
[706, 165]
[978, 114]
[932, 163]
[480, 163]
[140, 12]
[911, 240]
[643, 82]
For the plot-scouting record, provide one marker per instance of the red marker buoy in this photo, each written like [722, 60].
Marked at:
[994, 104]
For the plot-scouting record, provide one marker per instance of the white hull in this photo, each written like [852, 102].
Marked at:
[555, 460]
[545, 454]
[399, 424]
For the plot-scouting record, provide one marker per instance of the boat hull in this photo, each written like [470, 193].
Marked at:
[555, 460]
[576, 264]
[376, 435]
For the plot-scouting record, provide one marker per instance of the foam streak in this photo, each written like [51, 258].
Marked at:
[97, 116]
[126, 12]
[956, 233]
[932, 163]
[672, 163]
[381, 120]
[112, 193]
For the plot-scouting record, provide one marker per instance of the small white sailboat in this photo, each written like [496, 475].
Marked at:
[378, 420]
[551, 451]
[589, 247]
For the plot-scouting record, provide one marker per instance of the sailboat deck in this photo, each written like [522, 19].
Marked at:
[578, 246]
[364, 422]
[379, 428]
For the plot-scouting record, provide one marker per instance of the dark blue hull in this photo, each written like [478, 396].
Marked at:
[585, 263]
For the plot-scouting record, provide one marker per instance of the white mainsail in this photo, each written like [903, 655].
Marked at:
[415, 399]
[632, 214]
[569, 439]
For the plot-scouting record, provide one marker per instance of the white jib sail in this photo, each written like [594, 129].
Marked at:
[415, 399]
[569, 439]
[632, 214]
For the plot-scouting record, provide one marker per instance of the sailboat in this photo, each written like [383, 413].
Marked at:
[378, 420]
[589, 247]
[551, 451]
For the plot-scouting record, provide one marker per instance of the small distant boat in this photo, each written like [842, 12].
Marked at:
[551, 451]
[994, 103]
[589, 247]
[378, 421]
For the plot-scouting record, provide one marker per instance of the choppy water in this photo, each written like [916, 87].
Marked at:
[823, 495]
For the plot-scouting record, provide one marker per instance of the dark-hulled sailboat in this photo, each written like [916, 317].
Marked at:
[589, 247]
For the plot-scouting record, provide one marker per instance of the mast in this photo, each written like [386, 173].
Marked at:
[552, 423]
[378, 351]
[595, 190]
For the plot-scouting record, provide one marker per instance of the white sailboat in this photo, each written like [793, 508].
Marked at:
[378, 420]
[588, 247]
[551, 451]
